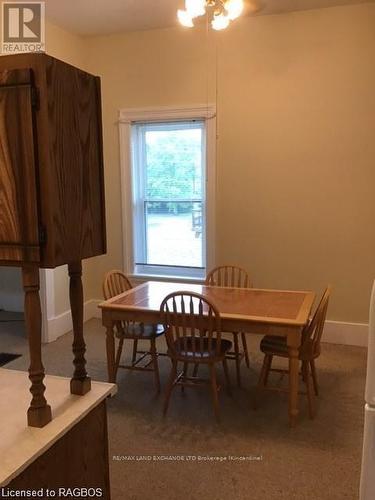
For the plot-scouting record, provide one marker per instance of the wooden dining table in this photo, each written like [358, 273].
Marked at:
[253, 311]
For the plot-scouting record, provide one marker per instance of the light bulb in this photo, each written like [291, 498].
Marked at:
[220, 22]
[195, 8]
[234, 8]
[185, 18]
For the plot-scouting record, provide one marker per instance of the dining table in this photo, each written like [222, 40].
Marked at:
[253, 311]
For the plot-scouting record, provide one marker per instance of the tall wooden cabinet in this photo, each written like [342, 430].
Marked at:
[51, 191]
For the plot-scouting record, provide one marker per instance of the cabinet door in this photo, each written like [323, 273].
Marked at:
[19, 228]
[76, 190]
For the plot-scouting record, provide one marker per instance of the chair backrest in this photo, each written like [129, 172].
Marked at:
[114, 283]
[313, 332]
[228, 276]
[191, 323]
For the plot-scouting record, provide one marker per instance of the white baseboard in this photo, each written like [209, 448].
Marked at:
[61, 324]
[339, 332]
[335, 332]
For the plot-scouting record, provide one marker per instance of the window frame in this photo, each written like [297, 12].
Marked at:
[129, 117]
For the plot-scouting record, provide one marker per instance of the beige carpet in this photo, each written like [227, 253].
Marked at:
[319, 460]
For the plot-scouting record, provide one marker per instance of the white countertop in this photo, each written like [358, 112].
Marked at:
[20, 445]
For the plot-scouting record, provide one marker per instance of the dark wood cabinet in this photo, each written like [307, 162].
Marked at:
[51, 190]
[51, 178]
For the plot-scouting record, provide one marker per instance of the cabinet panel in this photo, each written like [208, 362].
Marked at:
[19, 228]
[75, 157]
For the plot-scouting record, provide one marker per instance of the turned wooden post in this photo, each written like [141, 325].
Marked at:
[39, 413]
[80, 384]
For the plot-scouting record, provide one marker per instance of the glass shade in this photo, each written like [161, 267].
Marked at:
[185, 18]
[234, 8]
[220, 22]
[195, 8]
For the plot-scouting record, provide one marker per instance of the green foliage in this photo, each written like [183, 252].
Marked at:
[174, 164]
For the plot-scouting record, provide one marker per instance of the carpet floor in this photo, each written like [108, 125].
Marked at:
[250, 455]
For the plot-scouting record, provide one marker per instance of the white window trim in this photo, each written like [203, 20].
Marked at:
[129, 116]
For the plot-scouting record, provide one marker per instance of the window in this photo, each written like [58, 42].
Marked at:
[168, 176]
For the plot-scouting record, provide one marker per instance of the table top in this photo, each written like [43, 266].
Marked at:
[267, 306]
[21, 445]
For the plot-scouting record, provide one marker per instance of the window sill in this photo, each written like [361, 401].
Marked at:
[173, 279]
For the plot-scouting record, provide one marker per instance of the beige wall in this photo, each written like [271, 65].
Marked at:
[296, 118]
[66, 46]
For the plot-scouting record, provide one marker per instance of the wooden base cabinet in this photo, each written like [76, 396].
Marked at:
[64, 459]
[76, 465]
[52, 209]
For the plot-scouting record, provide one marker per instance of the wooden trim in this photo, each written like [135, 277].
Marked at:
[104, 303]
[306, 307]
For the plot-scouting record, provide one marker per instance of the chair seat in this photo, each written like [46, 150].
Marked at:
[277, 346]
[140, 331]
[185, 350]
[274, 345]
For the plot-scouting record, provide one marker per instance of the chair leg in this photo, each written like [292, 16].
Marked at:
[262, 372]
[185, 369]
[154, 356]
[118, 356]
[215, 398]
[314, 377]
[227, 378]
[195, 372]
[244, 344]
[170, 386]
[237, 356]
[135, 349]
[268, 359]
[263, 378]
[309, 388]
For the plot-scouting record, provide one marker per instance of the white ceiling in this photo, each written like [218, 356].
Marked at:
[101, 17]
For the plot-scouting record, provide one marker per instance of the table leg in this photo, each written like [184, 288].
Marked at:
[293, 340]
[110, 344]
[80, 384]
[39, 413]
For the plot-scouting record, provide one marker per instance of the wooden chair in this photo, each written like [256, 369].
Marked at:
[193, 333]
[233, 276]
[115, 283]
[310, 350]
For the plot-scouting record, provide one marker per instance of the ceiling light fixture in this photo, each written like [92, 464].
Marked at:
[223, 12]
